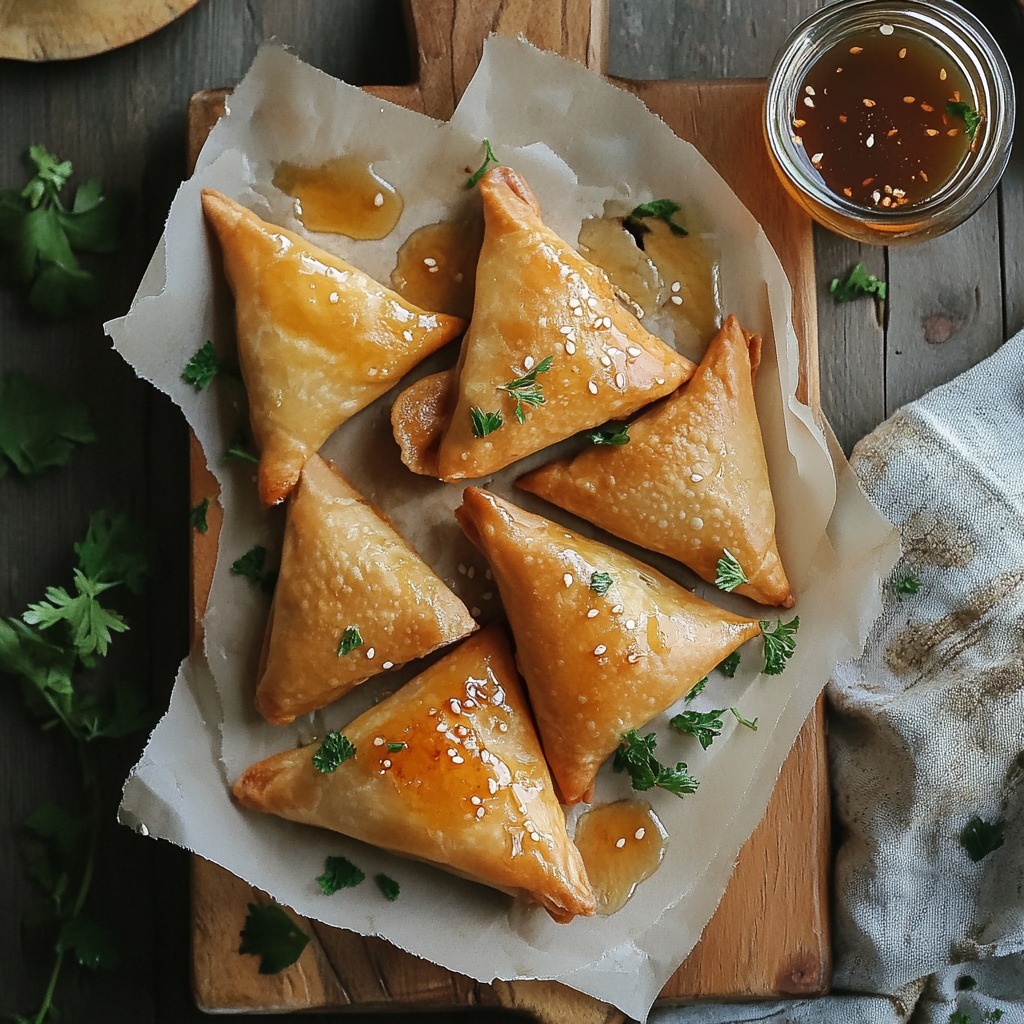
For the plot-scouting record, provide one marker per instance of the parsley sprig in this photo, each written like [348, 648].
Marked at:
[905, 585]
[351, 638]
[614, 436]
[484, 423]
[859, 282]
[526, 390]
[970, 117]
[601, 583]
[779, 644]
[339, 873]
[727, 666]
[707, 725]
[335, 750]
[489, 158]
[252, 565]
[39, 236]
[730, 574]
[635, 756]
[659, 209]
[273, 936]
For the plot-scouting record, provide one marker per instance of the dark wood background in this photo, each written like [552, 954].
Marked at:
[121, 117]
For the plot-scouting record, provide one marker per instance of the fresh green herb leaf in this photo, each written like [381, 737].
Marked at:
[239, 451]
[93, 945]
[339, 873]
[39, 429]
[659, 209]
[966, 983]
[980, 838]
[858, 283]
[394, 748]
[332, 752]
[484, 423]
[114, 550]
[957, 1017]
[616, 436]
[197, 516]
[728, 666]
[202, 367]
[273, 936]
[749, 723]
[388, 886]
[89, 624]
[970, 117]
[779, 644]
[39, 235]
[992, 1017]
[251, 566]
[489, 158]
[635, 755]
[704, 725]
[527, 389]
[905, 585]
[696, 690]
[350, 640]
[600, 583]
[730, 572]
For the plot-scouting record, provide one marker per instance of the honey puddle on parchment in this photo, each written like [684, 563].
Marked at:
[437, 266]
[342, 196]
[621, 844]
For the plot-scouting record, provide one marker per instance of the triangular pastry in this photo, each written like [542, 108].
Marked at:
[468, 789]
[604, 642]
[318, 340]
[346, 576]
[549, 348]
[692, 482]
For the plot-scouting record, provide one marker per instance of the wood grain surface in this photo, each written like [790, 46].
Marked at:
[120, 117]
[770, 935]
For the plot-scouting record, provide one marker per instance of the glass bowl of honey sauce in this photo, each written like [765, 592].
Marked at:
[890, 122]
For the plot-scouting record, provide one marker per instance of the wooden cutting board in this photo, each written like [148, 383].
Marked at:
[770, 935]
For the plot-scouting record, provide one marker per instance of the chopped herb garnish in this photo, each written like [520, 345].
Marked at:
[659, 209]
[779, 644]
[484, 423]
[979, 838]
[527, 389]
[970, 117]
[696, 690]
[339, 873]
[239, 450]
[992, 1017]
[905, 585]
[966, 983]
[858, 283]
[728, 666]
[600, 583]
[350, 640]
[197, 516]
[251, 566]
[88, 623]
[202, 367]
[273, 936]
[616, 436]
[750, 724]
[394, 748]
[730, 572]
[333, 751]
[635, 756]
[489, 158]
[704, 725]
[388, 886]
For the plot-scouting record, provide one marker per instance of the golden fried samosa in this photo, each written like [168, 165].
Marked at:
[692, 482]
[352, 600]
[604, 642]
[549, 350]
[318, 340]
[467, 789]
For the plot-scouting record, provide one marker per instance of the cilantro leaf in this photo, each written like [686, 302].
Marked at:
[705, 726]
[728, 666]
[238, 451]
[905, 585]
[197, 516]
[527, 389]
[332, 752]
[273, 936]
[489, 158]
[394, 748]
[616, 436]
[600, 583]
[93, 945]
[779, 644]
[121, 712]
[339, 873]
[202, 367]
[980, 838]
[114, 550]
[251, 566]
[748, 723]
[39, 429]
[659, 209]
[388, 886]
[635, 755]
[858, 283]
[696, 690]
[970, 117]
[89, 623]
[484, 423]
[730, 574]
[350, 640]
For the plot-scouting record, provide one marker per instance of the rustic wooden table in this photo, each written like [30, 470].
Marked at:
[121, 116]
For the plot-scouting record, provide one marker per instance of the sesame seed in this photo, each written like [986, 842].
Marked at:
[592, 388]
[474, 611]
[677, 300]
[817, 158]
[441, 727]
[620, 381]
[492, 784]
[930, 131]
[386, 764]
[903, 53]
[334, 298]
[640, 833]
[620, 843]
[503, 727]
[488, 595]
[633, 351]
[909, 99]
[605, 361]
[430, 262]
[458, 760]
[799, 123]
[471, 572]
[452, 752]
[633, 658]
[607, 321]
[697, 477]
[876, 195]
[659, 381]
[924, 177]
[592, 613]
[570, 348]
[616, 609]
[567, 579]
[612, 350]
[630, 623]
[388, 664]
[870, 141]
[378, 741]
[886, 30]
[942, 74]
[869, 103]
[455, 705]
[953, 131]
[592, 302]
[676, 285]
[475, 800]
[846, 192]
[370, 652]
[528, 362]
[856, 49]
[927, 108]
[566, 330]
[378, 199]
[407, 335]
[600, 649]
[891, 132]
[809, 89]
[479, 812]
[808, 102]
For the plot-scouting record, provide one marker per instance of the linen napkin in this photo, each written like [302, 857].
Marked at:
[926, 728]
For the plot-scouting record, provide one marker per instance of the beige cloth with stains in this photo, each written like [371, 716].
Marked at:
[926, 729]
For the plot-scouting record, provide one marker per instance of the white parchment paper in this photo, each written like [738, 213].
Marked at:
[579, 141]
